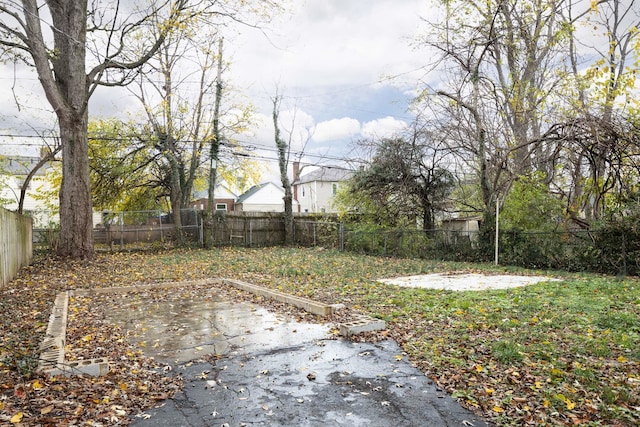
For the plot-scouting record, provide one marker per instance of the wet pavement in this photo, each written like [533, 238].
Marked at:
[180, 331]
[273, 371]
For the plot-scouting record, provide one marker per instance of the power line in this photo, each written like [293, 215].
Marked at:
[248, 146]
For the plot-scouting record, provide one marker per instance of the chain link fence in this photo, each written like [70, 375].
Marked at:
[610, 252]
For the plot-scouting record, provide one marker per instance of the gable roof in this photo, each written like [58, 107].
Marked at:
[326, 174]
[253, 190]
[221, 191]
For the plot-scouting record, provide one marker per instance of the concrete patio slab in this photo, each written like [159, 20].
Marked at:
[465, 281]
[320, 383]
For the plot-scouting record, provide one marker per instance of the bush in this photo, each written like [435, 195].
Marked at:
[617, 245]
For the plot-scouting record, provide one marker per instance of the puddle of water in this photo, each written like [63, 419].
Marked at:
[183, 330]
[466, 282]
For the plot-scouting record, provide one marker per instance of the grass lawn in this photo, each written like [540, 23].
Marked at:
[554, 353]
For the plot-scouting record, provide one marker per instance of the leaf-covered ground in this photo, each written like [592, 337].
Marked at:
[556, 353]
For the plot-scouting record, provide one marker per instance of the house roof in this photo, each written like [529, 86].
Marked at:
[326, 174]
[253, 190]
[20, 165]
[221, 191]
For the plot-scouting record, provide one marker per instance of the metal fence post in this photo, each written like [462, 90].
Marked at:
[384, 248]
[121, 230]
[624, 254]
[497, 239]
[314, 234]
[200, 226]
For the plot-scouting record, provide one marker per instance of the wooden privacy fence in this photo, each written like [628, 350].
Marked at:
[244, 229]
[16, 244]
[256, 229]
[133, 228]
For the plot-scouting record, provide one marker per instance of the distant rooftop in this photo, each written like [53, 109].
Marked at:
[253, 190]
[326, 174]
[20, 165]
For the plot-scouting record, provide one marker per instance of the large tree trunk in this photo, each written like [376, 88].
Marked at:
[217, 136]
[76, 212]
[76, 228]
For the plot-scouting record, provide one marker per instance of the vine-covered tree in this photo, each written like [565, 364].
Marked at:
[407, 177]
[284, 150]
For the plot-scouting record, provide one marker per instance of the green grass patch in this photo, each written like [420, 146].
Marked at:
[507, 352]
[571, 347]
[623, 321]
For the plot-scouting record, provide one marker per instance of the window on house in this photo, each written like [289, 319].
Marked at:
[221, 206]
[334, 189]
[302, 191]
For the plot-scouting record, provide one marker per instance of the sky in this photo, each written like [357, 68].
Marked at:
[345, 68]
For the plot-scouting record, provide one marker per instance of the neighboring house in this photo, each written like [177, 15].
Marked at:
[224, 198]
[266, 197]
[315, 190]
[13, 174]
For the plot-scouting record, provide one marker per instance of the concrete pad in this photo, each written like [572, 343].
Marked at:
[466, 281]
[274, 371]
[183, 330]
[322, 383]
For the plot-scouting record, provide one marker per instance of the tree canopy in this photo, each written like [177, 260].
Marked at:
[87, 45]
[538, 88]
[407, 178]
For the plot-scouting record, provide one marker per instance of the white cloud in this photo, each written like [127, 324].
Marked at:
[296, 120]
[336, 129]
[295, 126]
[383, 128]
[332, 42]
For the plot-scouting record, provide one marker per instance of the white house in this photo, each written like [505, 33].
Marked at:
[13, 174]
[266, 197]
[316, 190]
